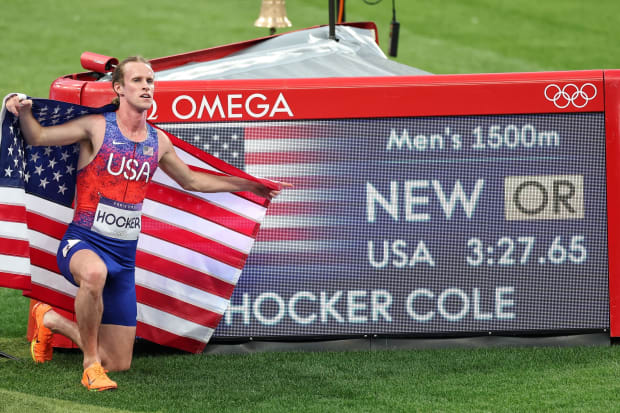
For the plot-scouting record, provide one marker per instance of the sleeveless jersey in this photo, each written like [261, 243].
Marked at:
[111, 188]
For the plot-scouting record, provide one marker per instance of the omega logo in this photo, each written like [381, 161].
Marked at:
[230, 106]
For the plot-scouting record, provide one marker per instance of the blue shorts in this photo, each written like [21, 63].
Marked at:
[119, 256]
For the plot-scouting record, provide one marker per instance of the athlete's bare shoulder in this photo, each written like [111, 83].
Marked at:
[96, 125]
[163, 143]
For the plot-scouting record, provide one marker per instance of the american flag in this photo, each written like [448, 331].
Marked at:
[191, 250]
[309, 239]
[306, 223]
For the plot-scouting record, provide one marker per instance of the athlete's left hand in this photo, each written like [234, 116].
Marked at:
[268, 192]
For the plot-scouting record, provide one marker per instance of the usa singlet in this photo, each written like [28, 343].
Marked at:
[111, 188]
[107, 218]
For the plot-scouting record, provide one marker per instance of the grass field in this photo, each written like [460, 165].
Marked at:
[43, 39]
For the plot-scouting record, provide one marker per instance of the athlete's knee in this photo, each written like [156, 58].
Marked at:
[92, 276]
[88, 270]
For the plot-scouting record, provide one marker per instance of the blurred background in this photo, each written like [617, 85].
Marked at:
[43, 39]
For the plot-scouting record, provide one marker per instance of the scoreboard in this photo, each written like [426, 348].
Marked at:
[426, 225]
[425, 205]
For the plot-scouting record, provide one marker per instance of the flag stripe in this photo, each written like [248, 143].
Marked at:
[54, 281]
[183, 274]
[275, 257]
[15, 265]
[296, 234]
[181, 291]
[277, 146]
[14, 230]
[42, 292]
[16, 281]
[188, 203]
[299, 182]
[305, 157]
[304, 222]
[317, 247]
[12, 213]
[310, 195]
[46, 225]
[11, 196]
[275, 171]
[158, 335]
[177, 307]
[193, 241]
[43, 242]
[305, 208]
[45, 260]
[244, 206]
[188, 257]
[175, 325]
[18, 248]
[281, 130]
[49, 209]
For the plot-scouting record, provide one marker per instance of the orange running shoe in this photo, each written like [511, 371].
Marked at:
[96, 379]
[41, 346]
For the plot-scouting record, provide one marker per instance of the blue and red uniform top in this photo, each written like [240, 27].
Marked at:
[111, 188]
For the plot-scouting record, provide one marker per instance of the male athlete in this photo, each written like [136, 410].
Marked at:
[97, 257]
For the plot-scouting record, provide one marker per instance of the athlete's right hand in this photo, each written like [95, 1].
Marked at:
[16, 104]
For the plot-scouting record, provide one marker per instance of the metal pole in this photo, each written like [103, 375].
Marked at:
[332, 20]
[8, 356]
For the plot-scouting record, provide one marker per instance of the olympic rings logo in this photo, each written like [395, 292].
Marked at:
[570, 94]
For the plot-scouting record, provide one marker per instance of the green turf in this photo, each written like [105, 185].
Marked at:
[498, 380]
[43, 39]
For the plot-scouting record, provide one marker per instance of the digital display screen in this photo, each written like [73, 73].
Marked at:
[421, 225]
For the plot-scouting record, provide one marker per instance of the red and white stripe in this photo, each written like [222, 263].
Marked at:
[301, 153]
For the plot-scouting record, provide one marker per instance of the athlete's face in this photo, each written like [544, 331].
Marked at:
[138, 85]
